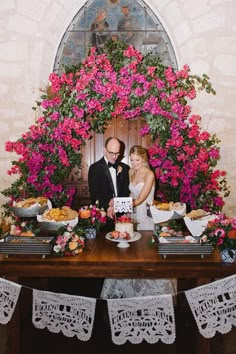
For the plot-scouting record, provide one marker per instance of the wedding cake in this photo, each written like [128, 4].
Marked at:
[125, 224]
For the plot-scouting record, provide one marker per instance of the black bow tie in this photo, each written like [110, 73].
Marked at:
[114, 165]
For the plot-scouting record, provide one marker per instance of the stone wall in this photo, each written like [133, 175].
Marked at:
[203, 34]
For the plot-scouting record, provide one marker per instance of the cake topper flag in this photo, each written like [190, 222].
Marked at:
[123, 205]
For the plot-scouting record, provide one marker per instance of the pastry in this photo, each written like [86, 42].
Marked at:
[196, 214]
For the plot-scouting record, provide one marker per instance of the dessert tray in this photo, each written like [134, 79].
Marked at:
[123, 243]
[182, 245]
[26, 245]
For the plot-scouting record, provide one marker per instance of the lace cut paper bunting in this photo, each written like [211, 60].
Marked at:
[9, 294]
[123, 205]
[145, 318]
[214, 306]
[72, 315]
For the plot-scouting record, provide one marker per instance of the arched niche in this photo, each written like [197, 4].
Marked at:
[98, 20]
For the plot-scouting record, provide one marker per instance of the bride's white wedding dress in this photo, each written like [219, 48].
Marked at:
[140, 212]
[126, 288]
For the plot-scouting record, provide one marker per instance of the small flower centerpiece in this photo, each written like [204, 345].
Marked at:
[92, 216]
[69, 242]
[172, 227]
[221, 233]
[24, 228]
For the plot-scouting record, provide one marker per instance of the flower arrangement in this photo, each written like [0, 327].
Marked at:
[125, 219]
[172, 227]
[221, 233]
[24, 228]
[92, 216]
[121, 82]
[69, 242]
[184, 160]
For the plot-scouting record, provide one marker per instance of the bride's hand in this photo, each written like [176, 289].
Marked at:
[110, 212]
[111, 203]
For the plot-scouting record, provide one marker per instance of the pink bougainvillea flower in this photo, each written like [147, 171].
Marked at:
[130, 85]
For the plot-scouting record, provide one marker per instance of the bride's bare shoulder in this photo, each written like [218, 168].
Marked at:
[149, 173]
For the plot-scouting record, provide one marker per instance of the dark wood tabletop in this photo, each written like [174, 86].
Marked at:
[102, 258]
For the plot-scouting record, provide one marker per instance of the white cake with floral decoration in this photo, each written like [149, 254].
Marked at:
[124, 225]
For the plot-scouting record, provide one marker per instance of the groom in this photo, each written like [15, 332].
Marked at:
[108, 178]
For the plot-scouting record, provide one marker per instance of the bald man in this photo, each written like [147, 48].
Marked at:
[108, 178]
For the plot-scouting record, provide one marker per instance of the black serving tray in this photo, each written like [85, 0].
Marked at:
[177, 246]
[26, 245]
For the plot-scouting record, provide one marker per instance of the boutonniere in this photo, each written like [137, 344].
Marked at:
[119, 169]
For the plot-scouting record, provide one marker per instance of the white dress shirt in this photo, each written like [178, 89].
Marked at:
[113, 176]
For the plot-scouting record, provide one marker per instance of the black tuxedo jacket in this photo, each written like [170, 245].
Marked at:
[101, 186]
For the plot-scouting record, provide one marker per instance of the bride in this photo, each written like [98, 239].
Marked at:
[142, 189]
[142, 186]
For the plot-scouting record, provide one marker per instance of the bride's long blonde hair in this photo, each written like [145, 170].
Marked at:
[140, 151]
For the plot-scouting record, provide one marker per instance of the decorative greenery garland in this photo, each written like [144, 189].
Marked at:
[121, 82]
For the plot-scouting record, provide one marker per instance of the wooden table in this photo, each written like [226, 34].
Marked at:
[103, 259]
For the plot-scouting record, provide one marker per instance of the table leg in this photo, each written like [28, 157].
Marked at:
[189, 339]
[203, 344]
[13, 327]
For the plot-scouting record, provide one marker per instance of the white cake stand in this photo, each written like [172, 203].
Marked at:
[123, 205]
[124, 243]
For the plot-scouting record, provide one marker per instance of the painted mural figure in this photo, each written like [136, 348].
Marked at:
[100, 31]
[129, 29]
[130, 21]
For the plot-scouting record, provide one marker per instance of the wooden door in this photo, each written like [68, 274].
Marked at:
[125, 130]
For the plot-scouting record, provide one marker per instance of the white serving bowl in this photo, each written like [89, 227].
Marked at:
[160, 216]
[52, 226]
[30, 212]
[198, 226]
